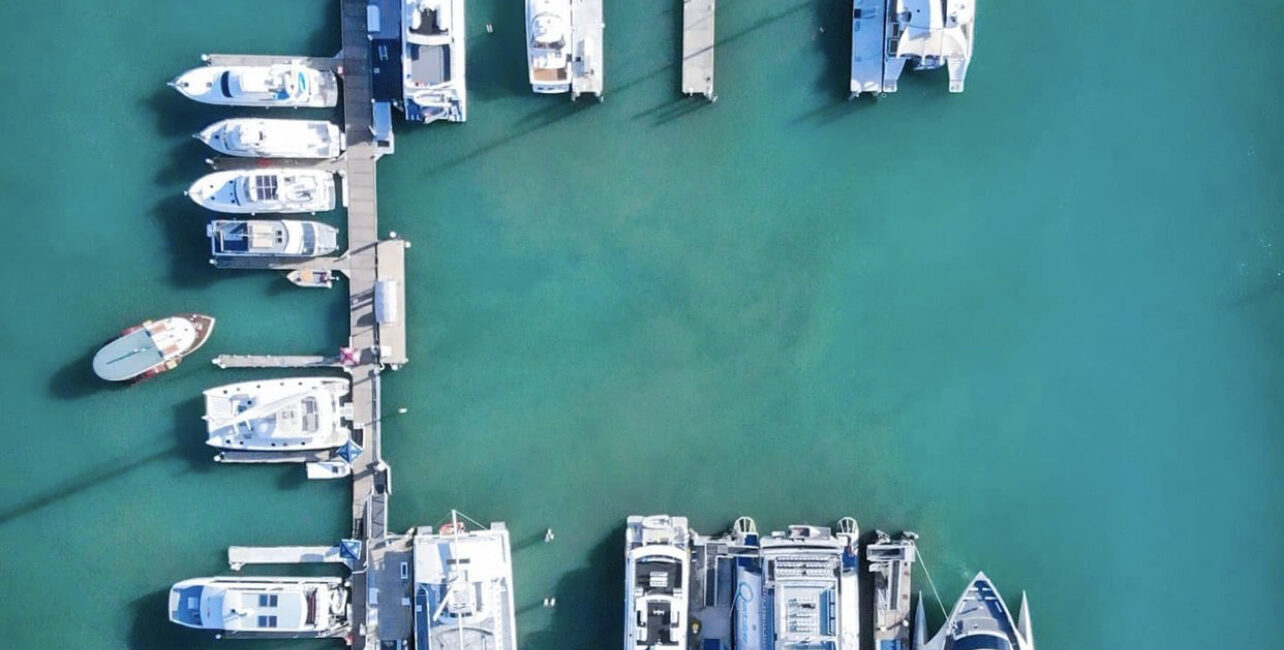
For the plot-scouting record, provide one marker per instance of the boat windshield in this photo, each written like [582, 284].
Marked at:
[982, 642]
[309, 239]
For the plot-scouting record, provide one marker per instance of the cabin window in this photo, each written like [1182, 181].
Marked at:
[267, 621]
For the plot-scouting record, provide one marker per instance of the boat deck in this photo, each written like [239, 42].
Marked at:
[697, 48]
[586, 46]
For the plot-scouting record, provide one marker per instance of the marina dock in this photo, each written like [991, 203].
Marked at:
[376, 319]
[697, 48]
[587, 27]
[275, 361]
[239, 556]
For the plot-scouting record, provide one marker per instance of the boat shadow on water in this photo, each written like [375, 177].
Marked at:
[77, 379]
[188, 446]
[589, 610]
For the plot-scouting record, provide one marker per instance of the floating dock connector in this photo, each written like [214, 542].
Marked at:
[697, 48]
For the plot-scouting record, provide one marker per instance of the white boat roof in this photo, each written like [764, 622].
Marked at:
[463, 591]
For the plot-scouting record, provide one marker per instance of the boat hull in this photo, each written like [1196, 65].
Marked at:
[277, 416]
[215, 84]
[316, 139]
[152, 347]
[222, 192]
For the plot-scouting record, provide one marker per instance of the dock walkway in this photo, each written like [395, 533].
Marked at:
[697, 48]
[275, 361]
[586, 46]
[377, 333]
[239, 556]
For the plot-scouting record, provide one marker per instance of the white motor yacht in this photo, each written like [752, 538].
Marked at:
[280, 607]
[432, 61]
[281, 84]
[261, 238]
[296, 414]
[260, 138]
[656, 566]
[548, 45]
[265, 190]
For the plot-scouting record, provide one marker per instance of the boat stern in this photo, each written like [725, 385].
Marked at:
[185, 604]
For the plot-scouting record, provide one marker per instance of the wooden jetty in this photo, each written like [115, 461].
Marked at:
[377, 327]
[587, 27]
[239, 556]
[697, 48]
[275, 361]
[318, 62]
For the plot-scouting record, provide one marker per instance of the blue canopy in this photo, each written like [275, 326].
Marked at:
[351, 549]
[349, 451]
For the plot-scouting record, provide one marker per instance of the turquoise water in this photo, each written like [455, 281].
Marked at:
[1037, 322]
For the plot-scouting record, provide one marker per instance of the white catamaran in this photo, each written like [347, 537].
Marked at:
[297, 414]
[463, 588]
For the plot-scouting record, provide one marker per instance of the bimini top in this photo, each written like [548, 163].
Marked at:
[982, 621]
[464, 589]
[298, 414]
[261, 605]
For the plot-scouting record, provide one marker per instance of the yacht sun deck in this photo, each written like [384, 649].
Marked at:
[656, 568]
[433, 61]
[463, 588]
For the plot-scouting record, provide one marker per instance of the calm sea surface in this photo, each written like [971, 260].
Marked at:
[1039, 322]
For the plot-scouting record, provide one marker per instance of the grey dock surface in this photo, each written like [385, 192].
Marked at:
[274, 456]
[275, 361]
[239, 556]
[339, 264]
[231, 163]
[318, 62]
[369, 475]
[697, 48]
[586, 46]
[868, 24]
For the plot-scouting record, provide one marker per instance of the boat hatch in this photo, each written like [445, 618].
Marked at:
[266, 187]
